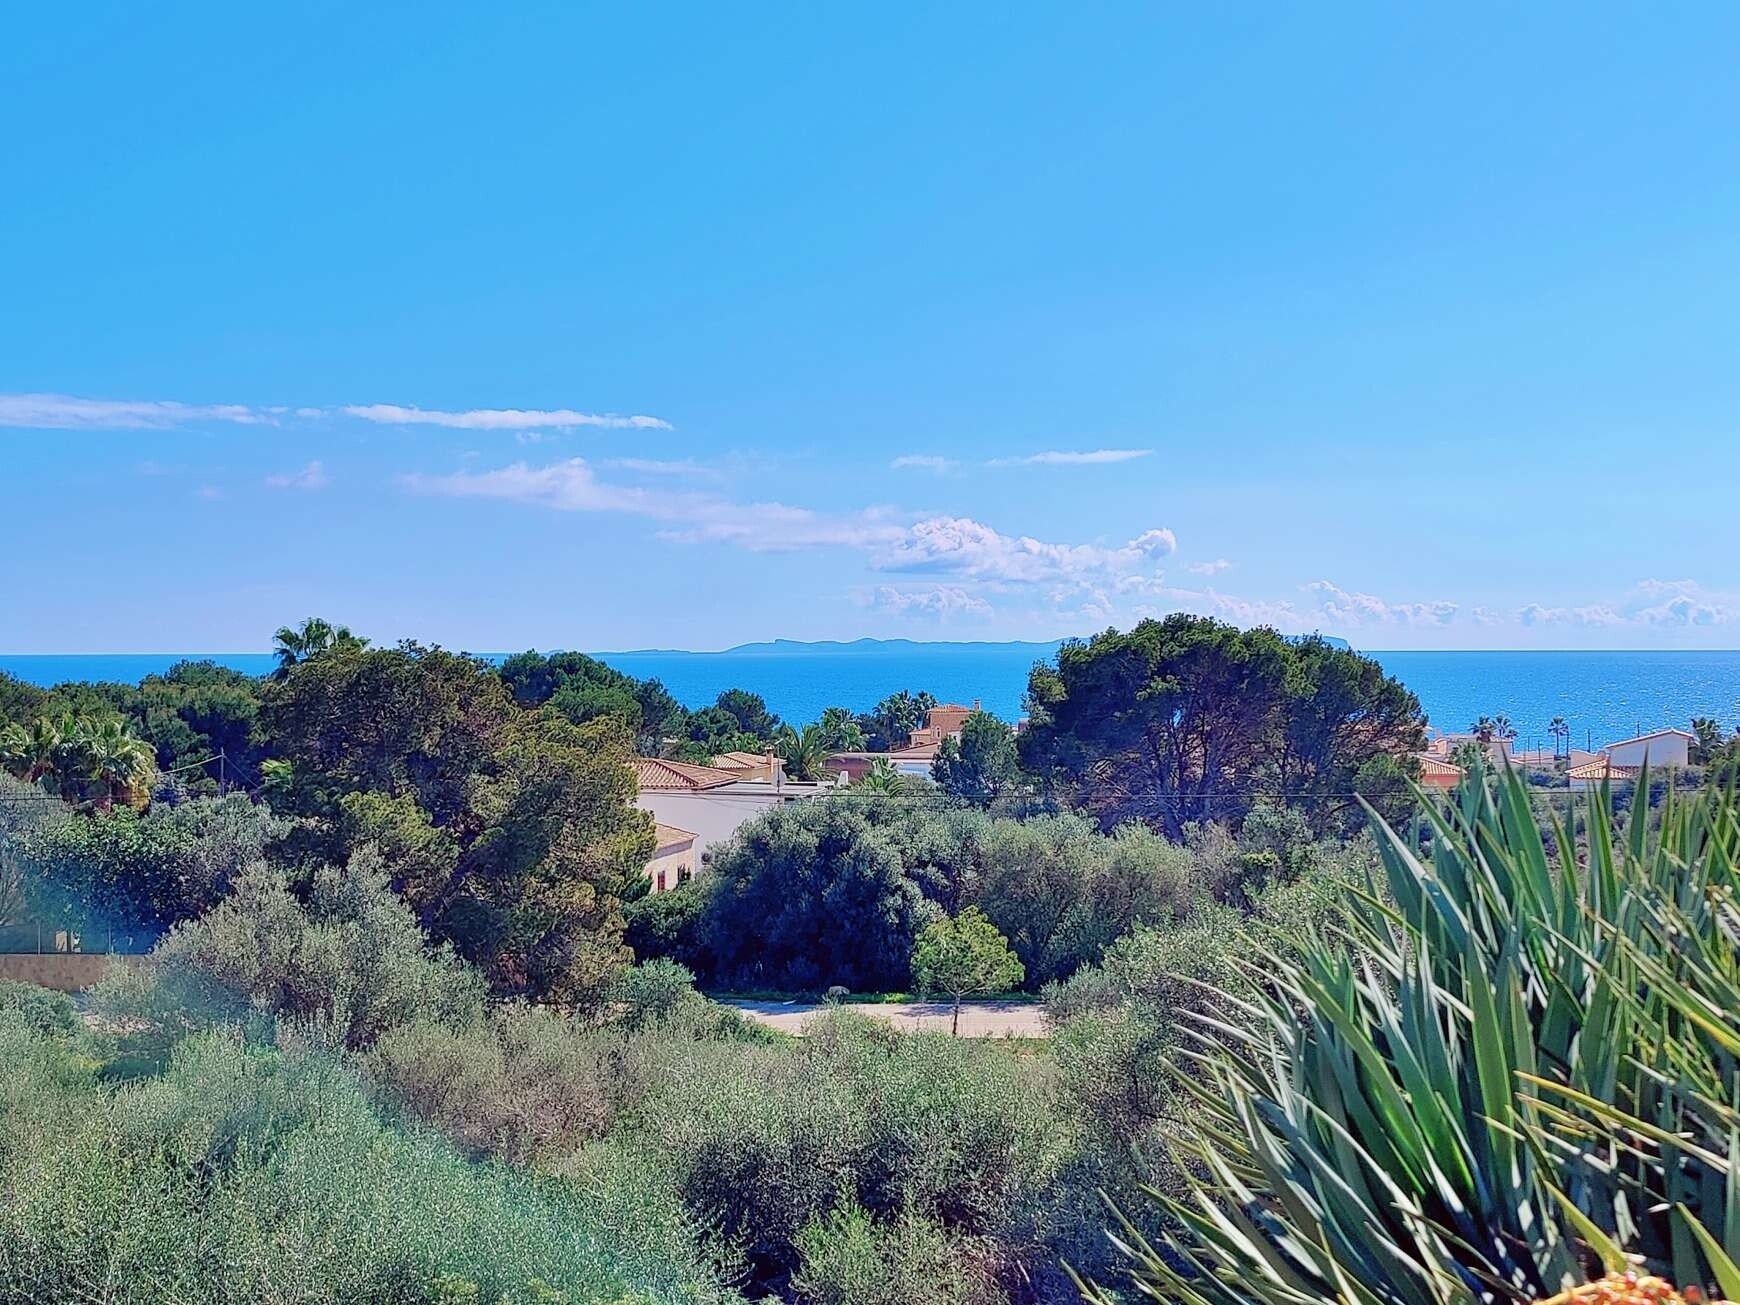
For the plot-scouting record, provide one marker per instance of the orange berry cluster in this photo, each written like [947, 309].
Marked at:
[1630, 1289]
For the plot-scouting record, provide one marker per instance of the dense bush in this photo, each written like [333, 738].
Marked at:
[813, 894]
[243, 1174]
[42, 1009]
[147, 871]
[526, 1086]
[765, 1142]
[352, 960]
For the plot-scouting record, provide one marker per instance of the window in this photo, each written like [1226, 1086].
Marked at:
[659, 885]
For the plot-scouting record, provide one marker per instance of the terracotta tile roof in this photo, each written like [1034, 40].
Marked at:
[670, 836]
[1603, 769]
[654, 774]
[739, 760]
[1433, 766]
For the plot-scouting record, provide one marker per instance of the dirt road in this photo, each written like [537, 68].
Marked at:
[979, 1019]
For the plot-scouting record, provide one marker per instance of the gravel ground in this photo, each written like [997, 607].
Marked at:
[979, 1019]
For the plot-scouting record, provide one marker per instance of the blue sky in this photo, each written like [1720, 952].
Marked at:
[610, 327]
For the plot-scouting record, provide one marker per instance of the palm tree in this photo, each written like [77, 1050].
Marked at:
[804, 754]
[33, 752]
[106, 754]
[1560, 729]
[1483, 729]
[295, 644]
[882, 777]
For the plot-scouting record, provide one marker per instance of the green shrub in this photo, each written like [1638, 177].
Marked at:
[850, 1258]
[43, 1009]
[353, 961]
[527, 1086]
[246, 1174]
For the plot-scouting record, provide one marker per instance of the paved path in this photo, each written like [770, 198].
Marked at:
[979, 1019]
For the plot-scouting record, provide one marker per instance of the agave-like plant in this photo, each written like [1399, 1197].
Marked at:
[1499, 1078]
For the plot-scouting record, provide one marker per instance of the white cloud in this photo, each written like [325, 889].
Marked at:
[957, 547]
[1209, 568]
[1351, 608]
[312, 476]
[936, 601]
[1650, 602]
[923, 462]
[1065, 458]
[65, 412]
[962, 546]
[1593, 614]
[392, 414]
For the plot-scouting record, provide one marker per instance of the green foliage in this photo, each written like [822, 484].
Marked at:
[511, 832]
[652, 991]
[525, 1086]
[813, 894]
[804, 752]
[851, 1258]
[672, 925]
[982, 764]
[129, 871]
[962, 956]
[88, 757]
[20, 703]
[583, 688]
[42, 1009]
[891, 723]
[767, 1142]
[293, 645]
[841, 731]
[242, 1174]
[1183, 720]
[1524, 1067]
[352, 962]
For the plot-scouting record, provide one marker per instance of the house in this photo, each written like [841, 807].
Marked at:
[710, 803]
[1661, 749]
[915, 756]
[674, 860]
[1436, 772]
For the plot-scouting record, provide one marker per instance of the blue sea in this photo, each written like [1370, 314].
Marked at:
[1604, 695]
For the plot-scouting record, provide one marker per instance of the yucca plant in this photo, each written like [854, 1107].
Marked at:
[1425, 1108]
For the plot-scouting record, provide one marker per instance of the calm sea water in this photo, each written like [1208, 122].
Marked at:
[1604, 695]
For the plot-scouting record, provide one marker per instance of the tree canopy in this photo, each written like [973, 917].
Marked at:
[1188, 719]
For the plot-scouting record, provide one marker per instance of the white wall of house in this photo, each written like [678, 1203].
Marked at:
[673, 865]
[1659, 751]
[714, 814]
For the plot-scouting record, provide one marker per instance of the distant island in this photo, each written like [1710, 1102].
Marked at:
[860, 647]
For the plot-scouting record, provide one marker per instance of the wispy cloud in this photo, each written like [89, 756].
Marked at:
[956, 547]
[573, 486]
[392, 414]
[923, 462]
[311, 477]
[1065, 458]
[71, 412]
[681, 467]
[66, 412]
[937, 602]
[1208, 568]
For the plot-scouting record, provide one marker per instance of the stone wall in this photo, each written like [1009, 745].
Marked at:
[62, 971]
